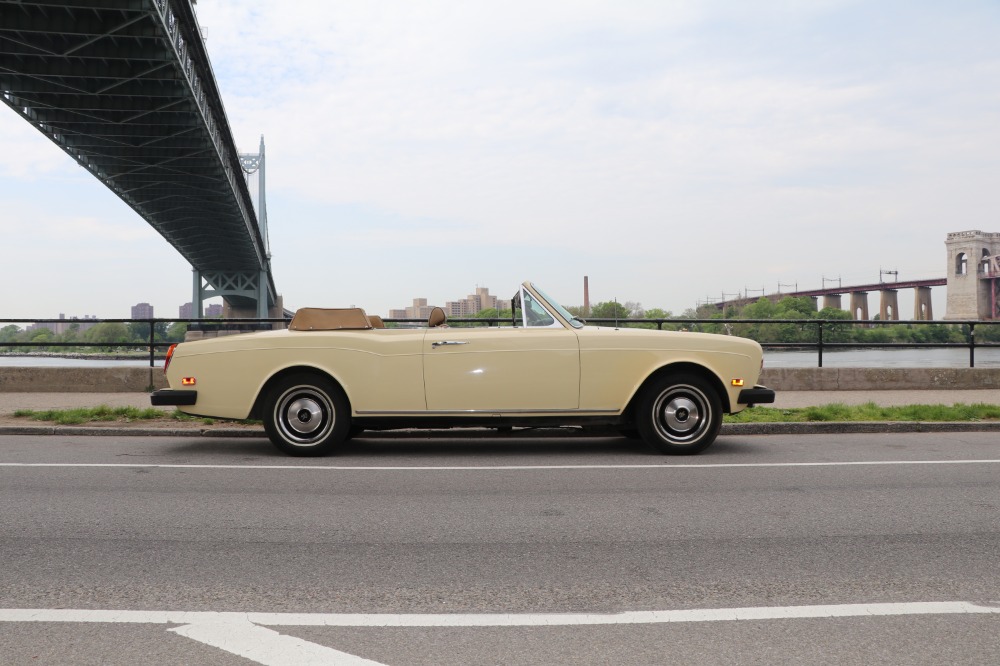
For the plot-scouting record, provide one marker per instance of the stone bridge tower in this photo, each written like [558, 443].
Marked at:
[973, 275]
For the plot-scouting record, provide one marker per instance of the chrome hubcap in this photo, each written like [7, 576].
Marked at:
[681, 414]
[305, 415]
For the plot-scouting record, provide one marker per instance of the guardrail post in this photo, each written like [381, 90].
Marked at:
[972, 345]
[152, 342]
[819, 344]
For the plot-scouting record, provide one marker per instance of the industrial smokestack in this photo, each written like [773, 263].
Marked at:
[586, 296]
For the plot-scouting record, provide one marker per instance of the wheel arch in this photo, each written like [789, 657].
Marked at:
[256, 412]
[680, 368]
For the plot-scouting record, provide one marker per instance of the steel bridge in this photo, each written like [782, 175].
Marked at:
[888, 308]
[125, 87]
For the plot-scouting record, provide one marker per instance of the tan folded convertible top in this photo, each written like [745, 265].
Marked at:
[329, 319]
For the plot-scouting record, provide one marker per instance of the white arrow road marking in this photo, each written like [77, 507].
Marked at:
[266, 646]
[246, 635]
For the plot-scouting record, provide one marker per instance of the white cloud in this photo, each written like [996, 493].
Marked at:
[670, 150]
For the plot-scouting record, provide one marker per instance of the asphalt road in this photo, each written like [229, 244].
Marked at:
[552, 551]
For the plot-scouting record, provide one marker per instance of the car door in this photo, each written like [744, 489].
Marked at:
[507, 369]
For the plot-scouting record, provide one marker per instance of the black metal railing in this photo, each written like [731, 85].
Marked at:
[822, 326]
[819, 340]
[150, 344]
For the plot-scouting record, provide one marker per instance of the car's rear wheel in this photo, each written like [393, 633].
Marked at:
[679, 415]
[306, 415]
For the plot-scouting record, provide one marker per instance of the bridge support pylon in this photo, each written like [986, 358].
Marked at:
[922, 309]
[834, 301]
[888, 309]
[859, 305]
[238, 289]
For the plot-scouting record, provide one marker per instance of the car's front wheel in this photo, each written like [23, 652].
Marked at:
[679, 415]
[306, 415]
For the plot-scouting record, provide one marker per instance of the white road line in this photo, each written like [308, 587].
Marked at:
[266, 646]
[247, 635]
[500, 468]
[492, 620]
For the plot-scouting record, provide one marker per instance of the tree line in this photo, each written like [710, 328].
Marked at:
[115, 335]
[799, 311]
[801, 326]
[801, 329]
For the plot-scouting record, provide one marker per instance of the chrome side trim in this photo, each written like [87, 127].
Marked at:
[490, 412]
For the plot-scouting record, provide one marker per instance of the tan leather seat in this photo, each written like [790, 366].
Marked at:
[376, 321]
[437, 318]
[328, 319]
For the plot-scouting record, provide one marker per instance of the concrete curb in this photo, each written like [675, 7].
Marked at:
[84, 431]
[811, 428]
[853, 427]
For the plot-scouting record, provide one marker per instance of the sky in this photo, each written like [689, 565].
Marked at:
[672, 151]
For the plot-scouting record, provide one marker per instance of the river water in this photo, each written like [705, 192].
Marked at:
[841, 358]
[883, 358]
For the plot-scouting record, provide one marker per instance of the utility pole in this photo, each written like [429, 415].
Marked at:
[881, 273]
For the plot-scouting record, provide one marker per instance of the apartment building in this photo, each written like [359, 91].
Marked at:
[469, 306]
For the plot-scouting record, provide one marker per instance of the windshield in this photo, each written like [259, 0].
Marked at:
[573, 321]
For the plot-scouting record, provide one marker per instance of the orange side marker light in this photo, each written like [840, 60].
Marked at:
[188, 381]
[737, 382]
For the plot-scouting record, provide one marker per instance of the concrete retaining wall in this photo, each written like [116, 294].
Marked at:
[113, 380]
[80, 380]
[884, 379]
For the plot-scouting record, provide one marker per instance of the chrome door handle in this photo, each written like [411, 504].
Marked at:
[448, 342]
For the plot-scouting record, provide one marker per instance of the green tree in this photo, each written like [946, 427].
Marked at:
[657, 313]
[791, 307]
[609, 310]
[654, 313]
[41, 335]
[138, 331]
[9, 333]
[115, 334]
[176, 332]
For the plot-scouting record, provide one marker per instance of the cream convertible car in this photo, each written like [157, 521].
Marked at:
[334, 373]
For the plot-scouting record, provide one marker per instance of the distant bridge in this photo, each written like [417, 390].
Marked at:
[888, 306]
[125, 87]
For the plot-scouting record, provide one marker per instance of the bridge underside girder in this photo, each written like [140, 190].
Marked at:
[125, 88]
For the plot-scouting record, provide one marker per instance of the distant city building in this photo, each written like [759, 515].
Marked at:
[65, 324]
[419, 310]
[467, 307]
[471, 304]
[142, 311]
[186, 311]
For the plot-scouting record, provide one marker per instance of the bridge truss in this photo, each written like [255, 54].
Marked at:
[125, 87]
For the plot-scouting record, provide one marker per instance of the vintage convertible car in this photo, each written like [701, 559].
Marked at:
[336, 372]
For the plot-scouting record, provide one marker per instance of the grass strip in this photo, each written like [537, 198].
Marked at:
[869, 411]
[104, 413]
